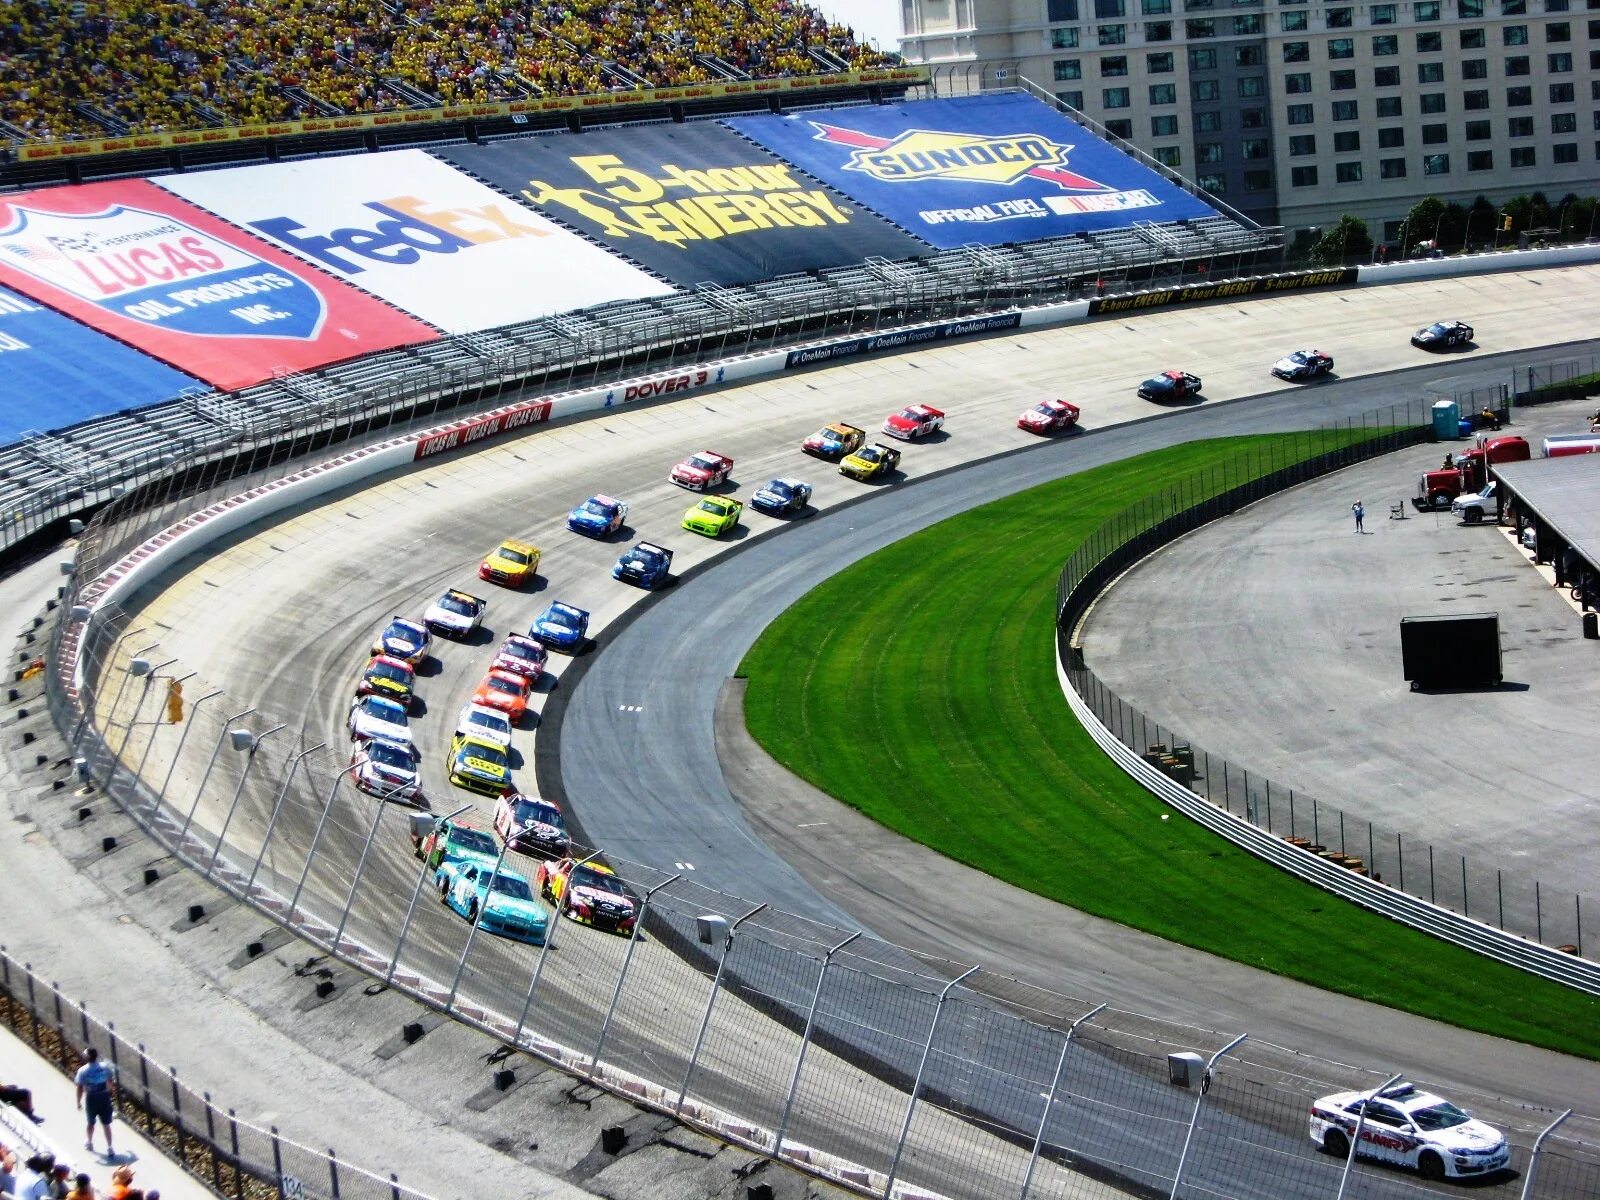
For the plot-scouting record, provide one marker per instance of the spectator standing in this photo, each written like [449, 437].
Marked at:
[97, 1083]
[1358, 510]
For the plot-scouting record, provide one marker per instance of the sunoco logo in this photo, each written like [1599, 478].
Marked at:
[920, 154]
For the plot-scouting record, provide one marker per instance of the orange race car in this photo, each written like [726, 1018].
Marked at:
[504, 690]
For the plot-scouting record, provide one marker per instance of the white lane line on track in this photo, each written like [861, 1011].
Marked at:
[683, 866]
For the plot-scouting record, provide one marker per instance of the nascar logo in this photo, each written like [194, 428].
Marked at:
[964, 157]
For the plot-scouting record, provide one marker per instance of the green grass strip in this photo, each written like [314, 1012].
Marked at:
[919, 686]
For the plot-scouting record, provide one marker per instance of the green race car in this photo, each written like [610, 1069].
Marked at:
[713, 516]
[870, 462]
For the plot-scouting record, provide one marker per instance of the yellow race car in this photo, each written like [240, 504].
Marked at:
[479, 765]
[511, 564]
[713, 516]
[870, 462]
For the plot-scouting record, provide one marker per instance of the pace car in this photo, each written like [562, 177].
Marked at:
[1441, 335]
[708, 469]
[647, 565]
[782, 497]
[531, 825]
[521, 656]
[480, 720]
[386, 676]
[441, 840]
[511, 564]
[561, 626]
[478, 765]
[378, 717]
[388, 769]
[504, 691]
[598, 516]
[499, 900]
[598, 897]
[406, 640]
[1303, 364]
[1170, 385]
[455, 614]
[913, 422]
[1047, 416]
[833, 442]
[1412, 1128]
[713, 516]
[870, 462]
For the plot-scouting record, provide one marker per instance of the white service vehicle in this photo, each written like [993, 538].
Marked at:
[1411, 1128]
[1472, 507]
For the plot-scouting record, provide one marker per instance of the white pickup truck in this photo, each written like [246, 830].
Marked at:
[1472, 507]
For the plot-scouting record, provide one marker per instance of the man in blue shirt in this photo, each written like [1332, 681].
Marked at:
[97, 1082]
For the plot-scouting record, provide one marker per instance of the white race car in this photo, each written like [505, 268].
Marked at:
[454, 614]
[488, 723]
[379, 717]
[1411, 1128]
[388, 769]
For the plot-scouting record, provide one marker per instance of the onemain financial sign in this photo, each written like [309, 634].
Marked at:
[987, 169]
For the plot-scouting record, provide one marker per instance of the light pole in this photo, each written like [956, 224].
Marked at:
[1194, 1119]
[249, 746]
[138, 667]
[277, 805]
[199, 792]
[411, 908]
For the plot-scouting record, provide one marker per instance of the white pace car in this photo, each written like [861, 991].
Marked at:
[1411, 1128]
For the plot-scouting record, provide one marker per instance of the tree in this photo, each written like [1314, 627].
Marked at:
[1421, 222]
[1348, 241]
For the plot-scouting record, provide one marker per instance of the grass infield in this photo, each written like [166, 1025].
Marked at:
[933, 659]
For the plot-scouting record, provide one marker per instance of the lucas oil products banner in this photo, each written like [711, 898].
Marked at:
[420, 234]
[692, 202]
[989, 169]
[151, 270]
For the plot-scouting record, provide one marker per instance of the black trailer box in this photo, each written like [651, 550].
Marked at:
[1457, 651]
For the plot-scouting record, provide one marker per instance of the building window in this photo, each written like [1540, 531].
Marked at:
[1303, 176]
[1564, 152]
[1347, 172]
[1469, 10]
[1200, 29]
[1562, 93]
[1391, 137]
[1071, 99]
[1159, 64]
[1158, 31]
[1169, 156]
[1205, 89]
[1155, 8]
[1208, 122]
[1551, 6]
[1436, 164]
[1426, 10]
[1215, 184]
[1166, 125]
[1347, 141]
[1063, 39]
[1430, 42]
[1163, 93]
[1560, 64]
[1252, 118]
[1113, 64]
[1388, 106]
[1258, 181]
[1302, 144]
[1566, 122]
[1068, 69]
[1209, 153]
[1203, 59]
[1340, 18]
[1433, 102]
[1513, 35]
[1248, 25]
[1473, 39]
[1477, 131]
[1122, 129]
[1247, 56]
[1341, 48]
[1435, 135]
[1477, 100]
[1480, 160]
[1112, 35]
[1384, 45]
[1391, 168]
[1523, 156]
[1345, 110]
[1430, 72]
[1300, 114]
[1382, 14]
[1114, 97]
[1513, 8]
[1386, 77]
[1516, 97]
[1475, 68]
[1062, 10]
[1110, 10]
[1292, 22]
[1296, 52]
[1517, 64]
[1558, 31]
[1252, 87]
[1519, 126]
[1255, 148]
[1342, 81]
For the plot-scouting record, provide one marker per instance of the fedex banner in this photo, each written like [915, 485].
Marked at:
[144, 266]
[989, 169]
[55, 372]
[422, 235]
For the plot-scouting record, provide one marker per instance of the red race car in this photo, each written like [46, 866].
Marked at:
[913, 422]
[598, 897]
[521, 656]
[505, 691]
[708, 469]
[1047, 416]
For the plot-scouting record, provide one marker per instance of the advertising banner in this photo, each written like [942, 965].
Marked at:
[988, 169]
[900, 338]
[419, 233]
[1194, 293]
[694, 202]
[166, 277]
[55, 372]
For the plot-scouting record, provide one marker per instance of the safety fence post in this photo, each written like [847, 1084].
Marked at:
[805, 1041]
[238, 792]
[1355, 1140]
[1533, 1157]
[477, 919]
[916, 1083]
[411, 908]
[1194, 1118]
[277, 807]
[199, 792]
[549, 940]
[711, 1000]
[1050, 1097]
[622, 975]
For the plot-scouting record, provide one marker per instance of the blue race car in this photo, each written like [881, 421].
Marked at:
[598, 516]
[501, 902]
[782, 497]
[647, 565]
[561, 627]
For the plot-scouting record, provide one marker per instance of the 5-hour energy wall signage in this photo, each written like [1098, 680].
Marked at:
[692, 202]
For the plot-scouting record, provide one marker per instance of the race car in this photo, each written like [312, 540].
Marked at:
[498, 901]
[561, 626]
[531, 825]
[378, 717]
[598, 897]
[1303, 364]
[1412, 1128]
[480, 720]
[521, 656]
[598, 516]
[913, 422]
[388, 769]
[505, 691]
[782, 497]
[713, 516]
[1047, 416]
[455, 614]
[1441, 335]
[406, 640]
[870, 462]
[386, 676]
[647, 565]
[478, 765]
[1170, 385]
[438, 840]
[708, 469]
[511, 563]
[833, 442]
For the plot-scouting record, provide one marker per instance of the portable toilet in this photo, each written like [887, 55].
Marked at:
[1446, 420]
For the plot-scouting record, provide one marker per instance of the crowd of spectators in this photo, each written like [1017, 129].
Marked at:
[101, 66]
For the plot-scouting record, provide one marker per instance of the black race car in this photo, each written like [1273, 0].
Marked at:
[782, 497]
[1170, 385]
[1441, 335]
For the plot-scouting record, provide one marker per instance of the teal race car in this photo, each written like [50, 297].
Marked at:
[713, 516]
[499, 902]
[437, 841]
